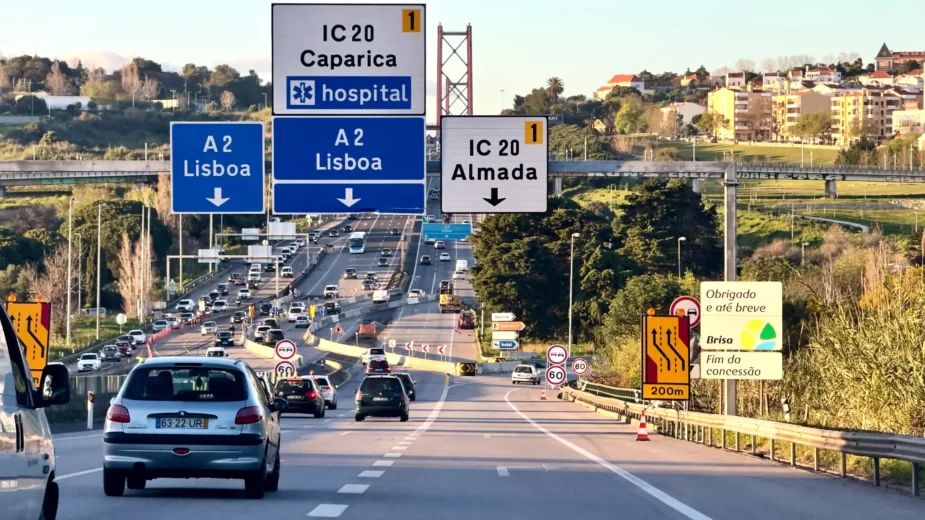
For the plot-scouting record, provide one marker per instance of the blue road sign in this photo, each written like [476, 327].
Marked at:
[447, 231]
[507, 344]
[217, 167]
[360, 93]
[349, 164]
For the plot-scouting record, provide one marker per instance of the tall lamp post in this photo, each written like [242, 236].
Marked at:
[571, 285]
[99, 250]
[79, 269]
[70, 236]
[680, 239]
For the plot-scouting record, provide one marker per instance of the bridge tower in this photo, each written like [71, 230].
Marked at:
[454, 73]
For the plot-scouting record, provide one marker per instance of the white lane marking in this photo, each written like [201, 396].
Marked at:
[78, 474]
[399, 448]
[380, 463]
[502, 472]
[345, 433]
[62, 439]
[354, 489]
[411, 438]
[433, 413]
[404, 443]
[392, 455]
[371, 474]
[487, 435]
[328, 510]
[284, 431]
[653, 491]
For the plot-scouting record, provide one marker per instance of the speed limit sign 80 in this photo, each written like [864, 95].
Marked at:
[555, 375]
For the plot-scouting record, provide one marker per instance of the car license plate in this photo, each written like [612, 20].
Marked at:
[380, 398]
[295, 397]
[189, 423]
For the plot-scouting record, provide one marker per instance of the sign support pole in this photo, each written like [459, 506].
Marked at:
[729, 242]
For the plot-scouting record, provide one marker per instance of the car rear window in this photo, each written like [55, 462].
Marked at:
[377, 352]
[186, 384]
[405, 379]
[224, 334]
[322, 382]
[523, 370]
[381, 386]
[378, 363]
[285, 386]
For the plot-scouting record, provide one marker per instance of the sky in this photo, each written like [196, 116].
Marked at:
[517, 44]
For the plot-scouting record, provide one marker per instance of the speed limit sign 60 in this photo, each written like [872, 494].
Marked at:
[580, 366]
[555, 375]
[285, 369]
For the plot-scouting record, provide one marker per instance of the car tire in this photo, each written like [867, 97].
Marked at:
[50, 502]
[404, 418]
[255, 485]
[136, 482]
[319, 413]
[359, 417]
[113, 482]
[272, 483]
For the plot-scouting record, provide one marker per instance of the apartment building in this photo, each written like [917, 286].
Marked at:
[868, 112]
[735, 80]
[773, 81]
[747, 112]
[787, 108]
[909, 120]
[823, 75]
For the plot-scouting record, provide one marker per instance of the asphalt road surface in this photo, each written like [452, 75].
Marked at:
[480, 448]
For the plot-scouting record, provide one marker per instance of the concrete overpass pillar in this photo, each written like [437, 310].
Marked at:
[697, 185]
[830, 192]
[557, 186]
[2, 192]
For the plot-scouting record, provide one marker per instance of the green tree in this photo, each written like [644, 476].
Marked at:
[12, 281]
[712, 122]
[48, 239]
[30, 105]
[655, 291]
[17, 249]
[656, 214]
[223, 75]
[630, 119]
[556, 87]
[563, 138]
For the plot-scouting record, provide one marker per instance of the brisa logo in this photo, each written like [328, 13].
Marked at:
[758, 335]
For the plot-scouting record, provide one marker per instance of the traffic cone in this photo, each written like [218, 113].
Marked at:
[643, 435]
[543, 395]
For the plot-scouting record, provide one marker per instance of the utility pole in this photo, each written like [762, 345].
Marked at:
[729, 246]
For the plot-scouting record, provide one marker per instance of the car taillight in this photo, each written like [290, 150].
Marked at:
[311, 394]
[402, 398]
[359, 395]
[118, 413]
[388, 369]
[249, 415]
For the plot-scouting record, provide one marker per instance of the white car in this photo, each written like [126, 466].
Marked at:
[260, 331]
[173, 321]
[286, 272]
[219, 306]
[327, 390]
[89, 362]
[216, 352]
[526, 374]
[160, 325]
[186, 305]
[416, 293]
[303, 322]
[331, 291]
[300, 305]
[373, 353]
[139, 336]
[444, 257]
[208, 328]
[294, 313]
[244, 294]
[253, 276]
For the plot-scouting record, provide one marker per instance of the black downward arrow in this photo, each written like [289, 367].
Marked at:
[494, 200]
[34, 338]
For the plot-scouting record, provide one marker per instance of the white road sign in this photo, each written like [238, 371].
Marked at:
[556, 354]
[285, 349]
[555, 375]
[498, 335]
[689, 305]
[494, 164]
[285, 369]
[392, 343]
[741, 316]
[503, 316]
[742, 365]
[356, 59]
[121, 319]
[580, 366]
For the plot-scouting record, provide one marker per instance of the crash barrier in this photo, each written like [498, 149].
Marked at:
[267, 352]
[466, 369]
[329, 320]
[498, 368]
[394, 359]
[703, 428]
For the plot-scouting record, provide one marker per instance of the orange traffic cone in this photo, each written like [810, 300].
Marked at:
[643, 435]
[543, 395]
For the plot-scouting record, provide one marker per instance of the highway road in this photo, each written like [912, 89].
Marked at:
[480, 448]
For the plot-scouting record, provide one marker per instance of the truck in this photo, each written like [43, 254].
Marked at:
[450, 303]
[467, 319]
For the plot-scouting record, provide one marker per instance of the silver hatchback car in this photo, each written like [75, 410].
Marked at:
[192, 417]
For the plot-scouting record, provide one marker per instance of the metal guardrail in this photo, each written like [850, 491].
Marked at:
[701, 427]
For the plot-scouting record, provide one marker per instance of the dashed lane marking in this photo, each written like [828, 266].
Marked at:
[328, 511]
[371, 474]
[392, 455]
[78, 474]
[354, 489]
[502, 472]
[381, 463]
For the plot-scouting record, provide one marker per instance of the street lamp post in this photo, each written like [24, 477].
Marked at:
[99, 263]
[680, 239]
[70, 235]
[79, 269]
[571, 285]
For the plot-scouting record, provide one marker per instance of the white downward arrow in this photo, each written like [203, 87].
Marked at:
[348, 199]
[217, 198]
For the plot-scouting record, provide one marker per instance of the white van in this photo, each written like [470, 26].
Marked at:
[381, 296]
[27, 463]
[462, 266]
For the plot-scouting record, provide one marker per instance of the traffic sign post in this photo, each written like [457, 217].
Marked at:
[440, 231]
[285, 369]
[32, 323]
[556, 355]
[329, 165]
[689, 305]
[285, 349]
[555, 375]
[580, 366]
[505, 344]
[217, 168]
[499, 335]
[346, 59]
[494, 164]
[508, 325]
[503, 316]
[666, 358]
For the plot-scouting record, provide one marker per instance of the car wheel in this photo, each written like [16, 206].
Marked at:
[319, 412]
[136, 482]
[255, 485]
[50, 502]
[113, 482]
[272, 483]
[404, 418]
[359, 417]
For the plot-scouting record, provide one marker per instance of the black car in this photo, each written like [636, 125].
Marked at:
[378, 366]
[265, 309]
[350, 273]
[273, 323]
[302, 394]
[238, 317]
[383, 262]
[273, 336]
[395, 232]
[425, 260]
[382, 396]
[331, 308]
[348, 228]
[224, 337]
[408, 383]
[125, 341]
[385, 252]
[223, 289]
[110, 353]
[252, 284]
[353, 216]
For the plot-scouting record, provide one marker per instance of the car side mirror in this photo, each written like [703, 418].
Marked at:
[55, 386]
[280, 404]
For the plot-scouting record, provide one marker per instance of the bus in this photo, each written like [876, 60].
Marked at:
[358, 242]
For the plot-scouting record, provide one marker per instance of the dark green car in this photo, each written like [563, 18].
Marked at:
[382, 396]
[408, 382]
